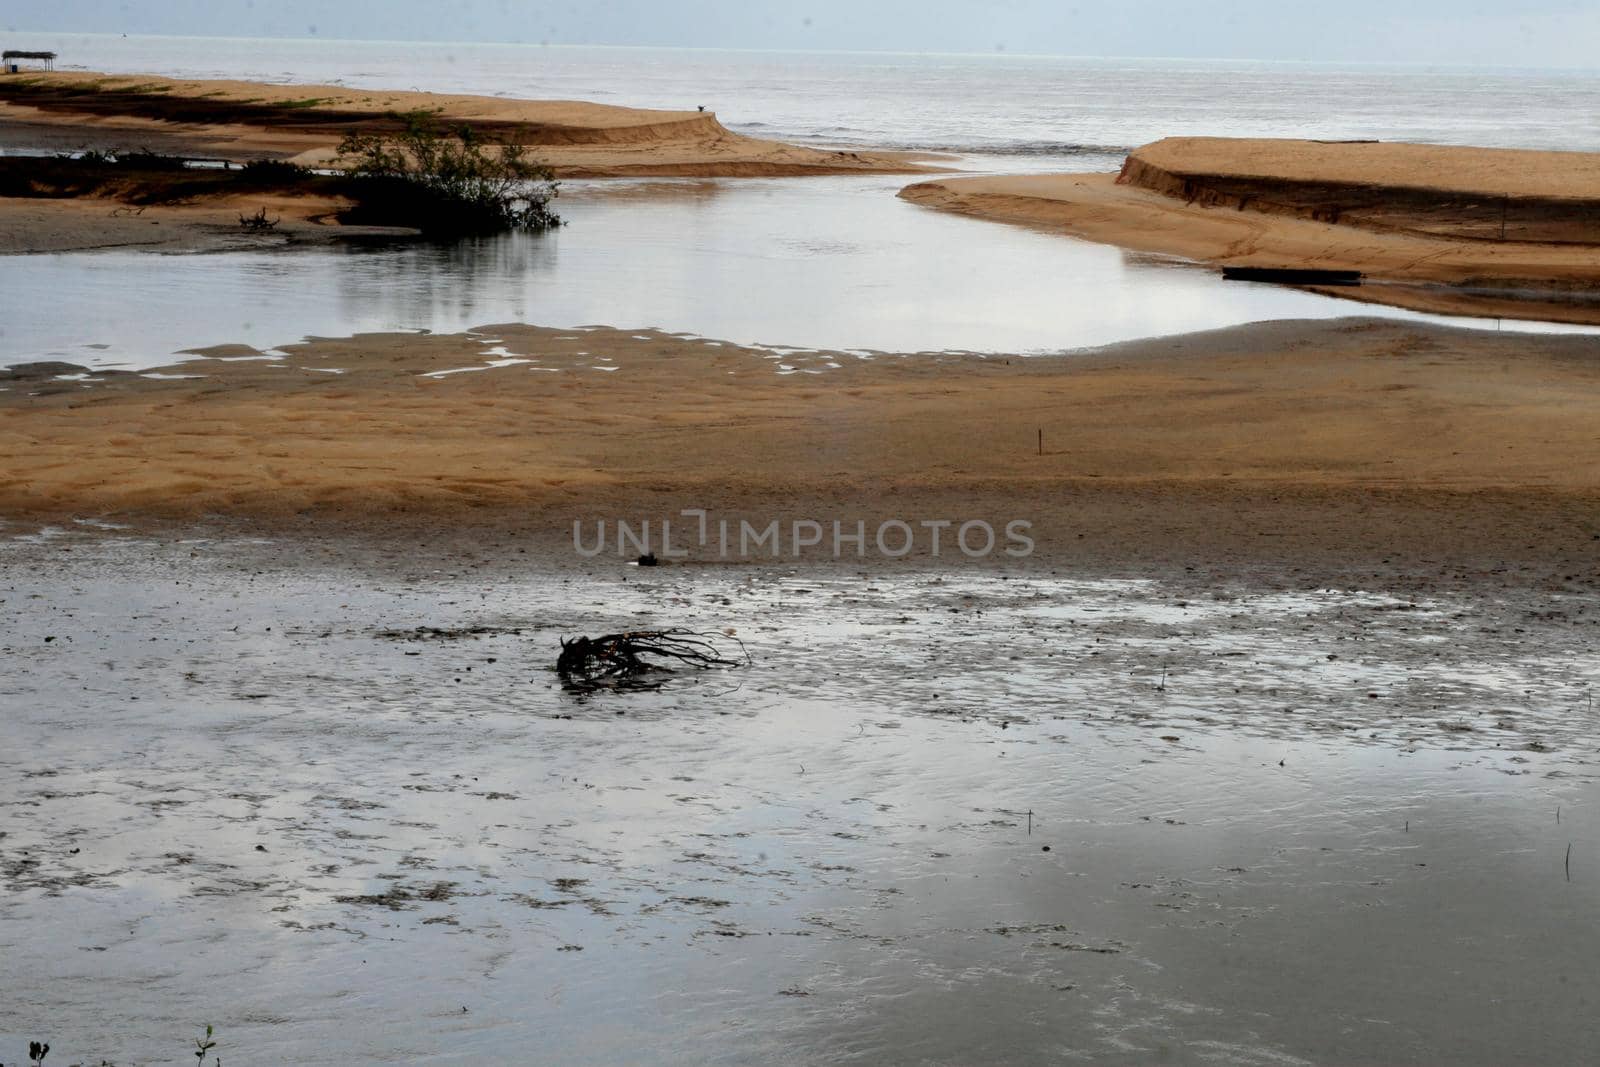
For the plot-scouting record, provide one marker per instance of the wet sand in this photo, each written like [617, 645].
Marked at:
[1328, 443]
[325, 796]
[1424, 223]
[29, 226]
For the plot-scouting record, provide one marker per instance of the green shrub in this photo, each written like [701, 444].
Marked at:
[446, 184]
[146, 160]
[273, 171]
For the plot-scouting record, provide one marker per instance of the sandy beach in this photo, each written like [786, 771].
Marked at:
[1318, 442]
[1423, 223]
[1337, 441]
[242, 121]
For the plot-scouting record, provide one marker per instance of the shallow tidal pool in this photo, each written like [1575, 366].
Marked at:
[829, 263]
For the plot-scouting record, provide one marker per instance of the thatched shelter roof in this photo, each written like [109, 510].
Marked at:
[12, 53]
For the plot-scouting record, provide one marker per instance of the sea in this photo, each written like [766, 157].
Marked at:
[816, 262]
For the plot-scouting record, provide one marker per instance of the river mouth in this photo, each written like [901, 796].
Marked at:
[324, 793]
[830, 263]
[947, 814]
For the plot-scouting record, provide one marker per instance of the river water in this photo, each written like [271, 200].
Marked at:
[834, 263]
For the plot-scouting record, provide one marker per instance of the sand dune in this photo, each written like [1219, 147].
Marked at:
[1355, 436]
[248, 120]
[1415, 219]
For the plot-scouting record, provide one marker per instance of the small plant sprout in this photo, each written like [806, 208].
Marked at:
[37, 1051]
[203, 1045]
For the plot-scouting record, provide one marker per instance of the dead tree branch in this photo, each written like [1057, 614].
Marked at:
[626, 660]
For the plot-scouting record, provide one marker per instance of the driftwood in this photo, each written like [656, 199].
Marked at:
[626, 660]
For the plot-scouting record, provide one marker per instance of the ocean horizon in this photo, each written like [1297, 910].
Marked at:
[1066, 112]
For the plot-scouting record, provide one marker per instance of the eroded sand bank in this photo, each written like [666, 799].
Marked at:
[1422, 222]
[243, 121]
[1353, 439]
[251, 120]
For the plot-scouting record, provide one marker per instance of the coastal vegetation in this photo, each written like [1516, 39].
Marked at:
[445, 182]
[141, 178]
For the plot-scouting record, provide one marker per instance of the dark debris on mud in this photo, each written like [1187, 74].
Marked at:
[399, 897]
[452, 633]
[636, 659]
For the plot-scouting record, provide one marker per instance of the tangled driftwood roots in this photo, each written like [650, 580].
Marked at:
[629, 660]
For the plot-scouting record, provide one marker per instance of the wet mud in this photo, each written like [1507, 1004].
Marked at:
[343, 810]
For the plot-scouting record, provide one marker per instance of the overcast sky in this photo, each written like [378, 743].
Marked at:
[1538, 33]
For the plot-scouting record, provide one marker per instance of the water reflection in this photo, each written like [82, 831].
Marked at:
[827, 263]
[838, 857]
[427, 286]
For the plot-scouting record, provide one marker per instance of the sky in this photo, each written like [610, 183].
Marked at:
[1520, 33]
